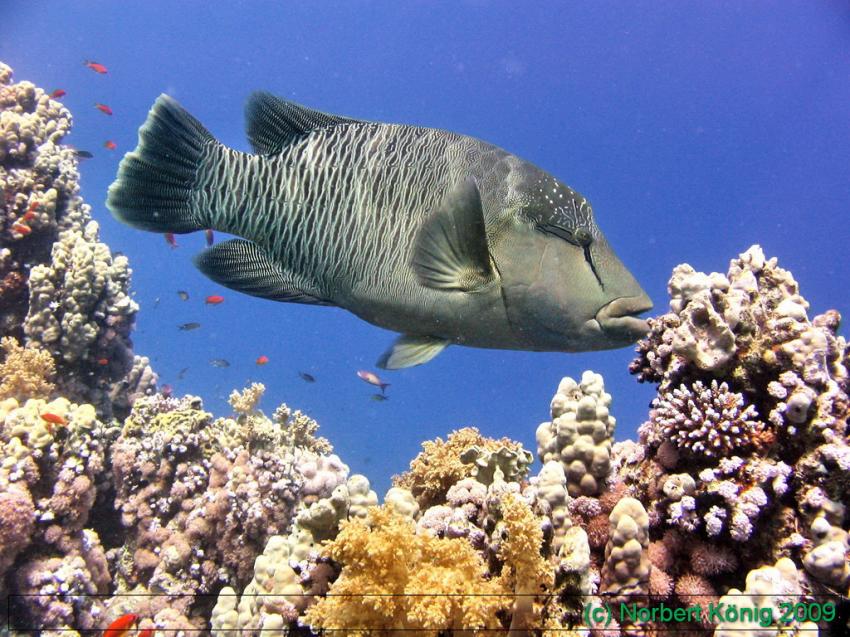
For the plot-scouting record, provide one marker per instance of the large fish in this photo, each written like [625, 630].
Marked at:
[439, 236]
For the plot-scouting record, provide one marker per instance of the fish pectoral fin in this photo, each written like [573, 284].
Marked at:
[273, 123]
[408, 351]
[451, 251]
[245, 267]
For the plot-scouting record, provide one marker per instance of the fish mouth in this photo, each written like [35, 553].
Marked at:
[619, 317]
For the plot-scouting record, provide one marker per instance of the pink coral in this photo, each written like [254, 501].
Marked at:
[712, 559]
[17, 521]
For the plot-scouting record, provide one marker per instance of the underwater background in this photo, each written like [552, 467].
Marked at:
[697, 132]
[694, 129]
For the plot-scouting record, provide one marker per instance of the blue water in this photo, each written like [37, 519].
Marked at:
[695, 129]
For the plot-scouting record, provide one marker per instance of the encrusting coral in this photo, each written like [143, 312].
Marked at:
[116, 499]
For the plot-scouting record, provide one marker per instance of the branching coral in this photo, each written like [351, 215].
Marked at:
[245, 402]
[25, 372]
[299, 430]
[704, 421]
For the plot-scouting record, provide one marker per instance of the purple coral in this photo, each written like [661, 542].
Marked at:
[706, 421]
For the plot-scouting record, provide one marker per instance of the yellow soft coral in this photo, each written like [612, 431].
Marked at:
[526, 572]
[25, 373]
[438, 466]
[394, 580]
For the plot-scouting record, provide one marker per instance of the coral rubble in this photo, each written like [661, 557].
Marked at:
[116, 499]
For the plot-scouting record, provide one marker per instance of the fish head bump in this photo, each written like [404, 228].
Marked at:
[563, 286]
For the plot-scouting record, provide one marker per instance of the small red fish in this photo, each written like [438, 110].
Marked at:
[29, 215]
[372, 379]
[145, 632]
[262, 360]
[210, 237]
[58, 93]
[120, 626]
[21, 228]
[110, 144]
[103, 362]
[96, 67]
[170, 240]
[103, 108]
[54, 419]
[214, 299]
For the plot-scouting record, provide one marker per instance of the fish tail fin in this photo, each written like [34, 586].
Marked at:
[157, 182]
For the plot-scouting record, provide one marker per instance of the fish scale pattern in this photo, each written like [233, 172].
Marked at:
[299, 196]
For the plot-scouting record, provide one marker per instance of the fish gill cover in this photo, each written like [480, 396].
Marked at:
[122, 503]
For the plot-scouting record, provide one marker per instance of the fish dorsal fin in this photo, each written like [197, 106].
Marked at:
[408, 351]
[451, 250]
[273, 123]
[243, 266]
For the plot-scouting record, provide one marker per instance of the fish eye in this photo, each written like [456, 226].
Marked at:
[580, 237]
[583, 237]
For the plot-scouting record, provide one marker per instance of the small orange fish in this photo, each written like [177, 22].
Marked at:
[96, 67]
[103, 362]
[214, 299]
[170, 240]
[103, 108]
[21, 228]
[54, 419]
[120, 626]
[58, 93]
[110, 144]
[262, 360]
[146, 632]
[210, 237]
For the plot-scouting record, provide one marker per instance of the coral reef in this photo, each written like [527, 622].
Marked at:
[466, 453]
[580, 434]
[25, 373]
[60, 288]
[116, 499]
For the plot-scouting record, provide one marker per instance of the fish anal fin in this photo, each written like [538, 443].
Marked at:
[273, 123]
[408, 351]
[451, 251]
[245, 267]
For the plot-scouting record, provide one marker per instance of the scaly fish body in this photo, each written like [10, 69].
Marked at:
[439, 236]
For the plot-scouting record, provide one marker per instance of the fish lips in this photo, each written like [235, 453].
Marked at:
[618, 319]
